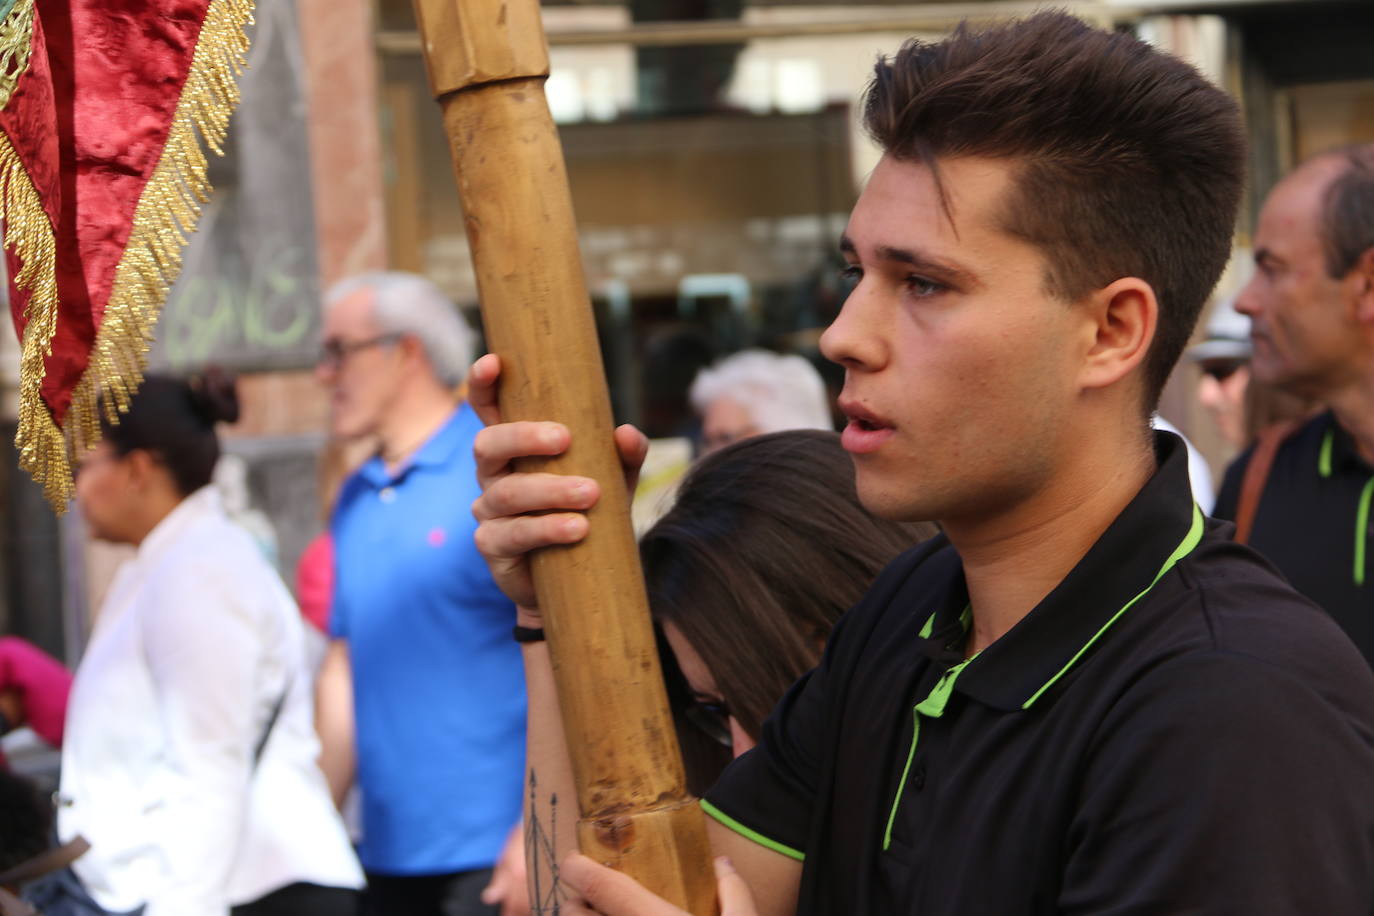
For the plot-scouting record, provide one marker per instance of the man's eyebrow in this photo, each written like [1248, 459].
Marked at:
[913, 259]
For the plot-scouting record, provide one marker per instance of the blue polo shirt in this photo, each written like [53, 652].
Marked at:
[438, 683]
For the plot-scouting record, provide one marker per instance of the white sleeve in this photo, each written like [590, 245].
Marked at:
[1204, 494]
[203, 645]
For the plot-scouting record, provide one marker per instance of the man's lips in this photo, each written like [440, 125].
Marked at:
[866, 431]
[856, 411]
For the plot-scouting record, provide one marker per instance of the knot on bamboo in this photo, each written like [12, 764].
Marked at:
[474, 42]
[615, 833]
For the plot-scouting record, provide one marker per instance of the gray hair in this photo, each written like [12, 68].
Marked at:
[409, 304]
[780, 392]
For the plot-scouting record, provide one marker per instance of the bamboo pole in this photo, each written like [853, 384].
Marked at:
[487, 63]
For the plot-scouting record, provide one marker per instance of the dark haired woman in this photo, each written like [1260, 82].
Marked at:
[189, 761]
[764, 549]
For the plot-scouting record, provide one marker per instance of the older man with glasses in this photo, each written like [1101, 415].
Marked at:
[422, 691]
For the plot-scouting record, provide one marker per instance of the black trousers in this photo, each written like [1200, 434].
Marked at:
[458, 894]
[303, 900]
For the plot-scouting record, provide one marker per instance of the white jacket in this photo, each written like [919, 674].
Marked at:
[194, 647]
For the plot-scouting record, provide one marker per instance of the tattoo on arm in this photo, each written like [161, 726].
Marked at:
[541, 852]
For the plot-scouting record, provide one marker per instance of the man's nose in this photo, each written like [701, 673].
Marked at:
[1247, 300]
[1208, 391]
[854, 339]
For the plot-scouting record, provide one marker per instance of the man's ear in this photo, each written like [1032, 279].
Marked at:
[1362, 276]
[410, 347]
[139, 467]
[1124, 317]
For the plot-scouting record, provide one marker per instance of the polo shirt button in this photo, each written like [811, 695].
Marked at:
[918, 778]
[387, 495]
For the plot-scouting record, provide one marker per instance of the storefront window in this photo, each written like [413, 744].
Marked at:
[711, 182]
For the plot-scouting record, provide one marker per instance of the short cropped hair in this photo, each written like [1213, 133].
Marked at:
[411, 305]
[779, 392]
[1128, 162]
[1348, 211]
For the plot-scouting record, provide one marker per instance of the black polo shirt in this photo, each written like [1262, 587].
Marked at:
[1313, 522]
[1172, 730]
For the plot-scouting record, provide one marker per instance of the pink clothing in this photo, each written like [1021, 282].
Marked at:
[315, 582]
[43, 684]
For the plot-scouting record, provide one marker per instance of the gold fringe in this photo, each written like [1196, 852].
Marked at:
[28, 232]
[166, 215]
[16, 47]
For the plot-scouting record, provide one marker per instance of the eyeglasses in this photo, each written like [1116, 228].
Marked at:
[334, 352]
[1222, 370]
[712, 718]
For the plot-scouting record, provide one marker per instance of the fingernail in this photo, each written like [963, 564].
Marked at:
[580, 492]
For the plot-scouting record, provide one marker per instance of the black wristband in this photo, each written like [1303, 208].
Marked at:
[5, 727]
[528, 634]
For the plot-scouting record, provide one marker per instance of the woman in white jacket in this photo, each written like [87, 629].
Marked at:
[190, 755]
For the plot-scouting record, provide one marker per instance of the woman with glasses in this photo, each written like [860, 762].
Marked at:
[190, 754]
[765, 548]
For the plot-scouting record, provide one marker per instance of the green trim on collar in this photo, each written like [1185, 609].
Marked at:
[1362, 529]
[1185, 547]
[901, 784]
[932, 706]
[965, 620]
[928, 628]
[1362, 511]
[754, 835]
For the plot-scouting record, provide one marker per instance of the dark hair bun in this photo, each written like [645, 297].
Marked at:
[215, 395]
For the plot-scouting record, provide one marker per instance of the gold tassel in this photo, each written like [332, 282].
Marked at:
[166, 215]
[28, 232]
[16, 47]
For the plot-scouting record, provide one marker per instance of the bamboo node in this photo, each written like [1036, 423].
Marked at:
[616, 833]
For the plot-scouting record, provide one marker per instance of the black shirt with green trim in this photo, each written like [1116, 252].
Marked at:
[1313, 521]
[1172, 729]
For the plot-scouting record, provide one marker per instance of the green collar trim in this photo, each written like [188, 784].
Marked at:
[1185, 547]
[933, 706]
[928, 628]
[965, 620]
[1361, 512]
[1362, 529]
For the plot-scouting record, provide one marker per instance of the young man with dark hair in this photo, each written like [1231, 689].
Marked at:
[1082, 697]
[1311, 304]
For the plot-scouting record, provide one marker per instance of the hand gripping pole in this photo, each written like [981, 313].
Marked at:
[487, 63]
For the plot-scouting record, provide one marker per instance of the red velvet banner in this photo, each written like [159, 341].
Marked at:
[101, 142]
